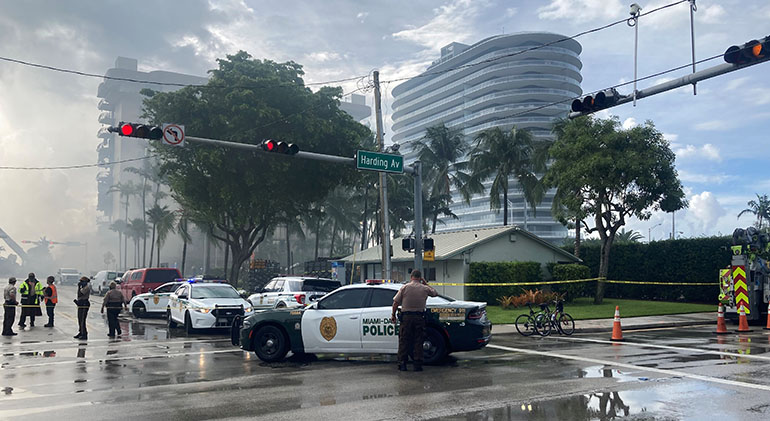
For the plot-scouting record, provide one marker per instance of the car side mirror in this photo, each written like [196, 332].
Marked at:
[151, 291]
[92, 277]
[182, 296]
[118, 281]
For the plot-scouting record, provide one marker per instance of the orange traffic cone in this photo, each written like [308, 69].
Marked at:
[721, 327]
[617, 332]
[743, 323]
[768, 317]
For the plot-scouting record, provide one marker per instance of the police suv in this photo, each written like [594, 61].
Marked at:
[292, 292]
[203, 304]
[355, 319]
[153, 302]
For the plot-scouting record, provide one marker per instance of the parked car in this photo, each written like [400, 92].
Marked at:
[139, 281]
[68, 276]
[100, 283]
[153, 302]
[292, 292]
[203, 304]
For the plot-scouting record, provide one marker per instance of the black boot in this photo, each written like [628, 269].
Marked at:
[418, 366]
[402, 366]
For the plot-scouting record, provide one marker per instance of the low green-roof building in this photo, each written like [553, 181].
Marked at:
[456, 250]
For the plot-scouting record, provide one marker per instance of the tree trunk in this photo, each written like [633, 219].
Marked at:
[505, 207]
[603, 269]
[184, 255]
[433, 228]
[227, 258]
[125, 240]
[120, 249]
[366, 210]
[144, 219]
[158, 262]
[578, 223]
[317, 236]
[152, 245]
[334, 235]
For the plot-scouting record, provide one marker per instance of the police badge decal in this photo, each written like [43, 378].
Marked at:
[328, 328]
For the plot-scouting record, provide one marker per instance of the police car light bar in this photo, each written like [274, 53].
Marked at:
[374, 281]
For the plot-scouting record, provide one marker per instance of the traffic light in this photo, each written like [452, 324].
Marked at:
[143, 131]
[427, 244]
[407, 244]
[279, 147]
[600, 101]
[752, 51]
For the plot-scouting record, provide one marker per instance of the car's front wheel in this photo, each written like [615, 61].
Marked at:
[188, 326]
[270, 344]
[433, 347]
[171, 323]
[139, 310]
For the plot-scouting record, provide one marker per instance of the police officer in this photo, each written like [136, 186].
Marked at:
[83, 302]
[9, 304]
[411, 333]
[31, 291]
[51, 297]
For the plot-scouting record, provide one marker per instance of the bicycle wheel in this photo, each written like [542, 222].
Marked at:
[566, 324]
[543, 324]
[525, 325]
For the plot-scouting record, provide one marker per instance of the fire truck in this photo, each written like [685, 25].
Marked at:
[746, 282]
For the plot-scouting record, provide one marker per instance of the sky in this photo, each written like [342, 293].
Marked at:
[49, 118]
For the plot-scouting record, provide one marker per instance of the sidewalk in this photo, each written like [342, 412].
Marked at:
[629, 323]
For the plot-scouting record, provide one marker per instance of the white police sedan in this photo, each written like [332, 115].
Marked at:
[153, 302]
[205, 305]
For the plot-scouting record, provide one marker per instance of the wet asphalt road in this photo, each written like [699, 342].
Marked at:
[151, 373]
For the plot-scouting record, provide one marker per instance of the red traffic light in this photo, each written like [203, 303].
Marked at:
[280, 147]
[126, 130]
[269, 145]
[138, 130]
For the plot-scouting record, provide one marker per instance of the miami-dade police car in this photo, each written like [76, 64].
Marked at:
[153, 302]
[201, 305]
[355, 319]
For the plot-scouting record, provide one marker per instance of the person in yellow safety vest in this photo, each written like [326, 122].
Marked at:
[51, 298]
[31, 290]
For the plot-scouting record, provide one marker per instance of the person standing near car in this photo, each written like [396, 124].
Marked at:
[411, 333]
[31, 291]
[113, 300]
[9, 304]
[83, 302]
[50, 297]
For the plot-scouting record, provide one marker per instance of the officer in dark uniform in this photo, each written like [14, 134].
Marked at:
[411, 333]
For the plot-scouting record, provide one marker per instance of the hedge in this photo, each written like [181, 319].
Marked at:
[677, 261]
[570, 272]
[501, 272]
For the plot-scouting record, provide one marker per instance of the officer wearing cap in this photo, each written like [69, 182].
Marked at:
[411, 333]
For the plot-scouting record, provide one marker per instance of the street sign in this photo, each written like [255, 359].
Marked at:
[377, 161]
[173, 134]
[429, 255]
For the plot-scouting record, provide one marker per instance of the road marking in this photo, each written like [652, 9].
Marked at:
[673, 348]
[634, 367]
[111, 344]
[136, 357]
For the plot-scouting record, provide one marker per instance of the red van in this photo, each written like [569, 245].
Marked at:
[139, 281]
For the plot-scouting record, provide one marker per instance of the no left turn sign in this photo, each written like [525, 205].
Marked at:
[173, 134]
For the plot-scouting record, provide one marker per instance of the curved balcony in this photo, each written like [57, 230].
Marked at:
[518, 122]
[105, 105]
[103, 133]
[105, 117]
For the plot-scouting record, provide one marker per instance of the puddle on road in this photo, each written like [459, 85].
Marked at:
[670, 401]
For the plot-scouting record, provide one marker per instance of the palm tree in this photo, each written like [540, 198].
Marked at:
[154, 215]
[119, 226]
[500, 156]
[164, 226]
[126, 190]
[629, 236]
[137, 229]
[184, 233]
[759, 208]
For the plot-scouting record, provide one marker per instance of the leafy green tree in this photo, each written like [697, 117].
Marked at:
[500, 156]
[240, 193]
[615, 174]
[759, 208]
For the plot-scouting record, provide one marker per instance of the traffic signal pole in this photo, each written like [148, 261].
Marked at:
[383, 184]
[690, 79]
[417, 166]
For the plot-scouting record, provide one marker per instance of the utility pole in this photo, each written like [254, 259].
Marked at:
[383, 183]
[417, 167]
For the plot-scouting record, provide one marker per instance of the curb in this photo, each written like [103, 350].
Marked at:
[641, 326]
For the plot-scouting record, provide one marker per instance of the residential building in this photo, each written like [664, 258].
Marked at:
[526, 80]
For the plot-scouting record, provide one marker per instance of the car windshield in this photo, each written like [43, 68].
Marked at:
[161, 275]
[69, 271]
[319, 285]
[111, 276]
[214, 291]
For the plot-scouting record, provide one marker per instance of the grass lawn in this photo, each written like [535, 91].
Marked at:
[583, 309]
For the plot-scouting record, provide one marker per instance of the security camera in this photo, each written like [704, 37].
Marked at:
[395, 147]
[635, 8]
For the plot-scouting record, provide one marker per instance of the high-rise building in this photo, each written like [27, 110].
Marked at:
[121, 101]
[496, 82]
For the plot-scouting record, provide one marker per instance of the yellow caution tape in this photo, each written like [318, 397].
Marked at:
[572, 281]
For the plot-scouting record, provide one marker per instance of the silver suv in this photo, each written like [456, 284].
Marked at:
[292, 292]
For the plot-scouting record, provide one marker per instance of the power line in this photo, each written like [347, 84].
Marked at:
[547, 44]
[72, 167]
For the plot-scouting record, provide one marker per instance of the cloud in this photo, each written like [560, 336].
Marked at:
[629, 123]
[715, 125]
[711, 14]
[511, 12]
[322, 56]
[671, 137]
[707, 151]
[699, 178]
[361, 16]
[582, 10]
[452, 22]
[706, 208]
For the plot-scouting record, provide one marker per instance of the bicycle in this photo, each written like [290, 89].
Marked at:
[546, 320]
[527, 324]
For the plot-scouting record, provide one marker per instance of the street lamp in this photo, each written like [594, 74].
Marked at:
[649, 231]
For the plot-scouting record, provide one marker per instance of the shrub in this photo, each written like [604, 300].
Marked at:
[528, 296]
[500, 272]
[570, 272]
